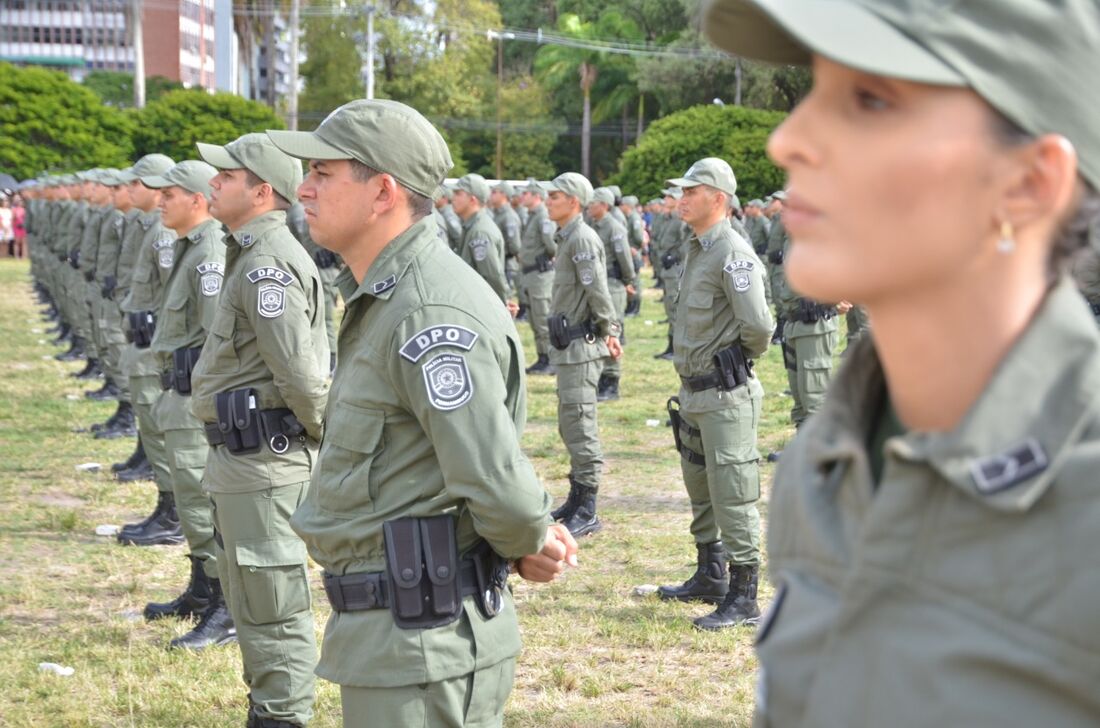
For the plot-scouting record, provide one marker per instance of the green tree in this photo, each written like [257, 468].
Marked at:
[117, 88]
[671, 144]
[530, 131]
[172, 124]
[331, 71]
[50, 123]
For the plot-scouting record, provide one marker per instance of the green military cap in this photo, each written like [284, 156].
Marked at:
[110, 177]
[257, 154]
[534, 187]
[572, 184]
[756, 203]
[191, 175]
[385, 135]
[673, 192]
[1038, 79]
[88, 175]
[710, 171]
[630, 200]
[475, 184]
[148, 165]
[615, 190]
[604, 195]
[734, 202]
[780, 195]
[654, 201]
[505, 187]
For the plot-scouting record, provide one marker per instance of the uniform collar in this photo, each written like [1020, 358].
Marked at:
[567, 230]
[1010, 446]
[472, 219]
[712, 234]
[391, 264]
[196, 233]
[247, 235]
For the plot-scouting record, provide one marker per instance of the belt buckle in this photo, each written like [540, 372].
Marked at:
[279, 444]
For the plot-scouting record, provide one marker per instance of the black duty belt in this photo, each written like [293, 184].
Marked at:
[369, 590]
[278, 428]
[1095, 307]
[531, 269]
[702, 382]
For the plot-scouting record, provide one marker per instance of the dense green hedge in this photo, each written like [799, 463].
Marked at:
[670, 145]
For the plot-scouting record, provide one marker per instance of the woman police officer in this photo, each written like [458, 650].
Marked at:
[933, 527]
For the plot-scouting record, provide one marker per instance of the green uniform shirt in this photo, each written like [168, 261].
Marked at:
[721, 305]
[74, 229]
[88, 241]
[963, 589]
[580, 291]
[758, 227]
[191, 294]
[425, 415]
[508, 221]
[454, 226]
[635, 229]
[483, 250]
[153, 263]
[538, 237]
[110, 245]
[616, 249]
[777, 237]
[268, 334]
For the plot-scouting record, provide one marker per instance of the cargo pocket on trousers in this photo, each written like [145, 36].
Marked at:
[818, 374]
[351, 446]
[739, 468]
[274, 582]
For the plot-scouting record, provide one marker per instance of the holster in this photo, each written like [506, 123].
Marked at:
[615, 271]
[143, 324]
[776, 257]
[811, 312]
[544, 263]
[491, 576]
[677, 423]
[422, 571]
[183, 362]
[89, 275]
[74, 258]
[669, 260]
[239, 420]
[109, 285]
[561, 333]
[732, 367]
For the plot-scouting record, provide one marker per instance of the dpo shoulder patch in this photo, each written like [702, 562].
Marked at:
[448, 383]
[270, 273]
[210, 277]
[739, 270]
[433, 336]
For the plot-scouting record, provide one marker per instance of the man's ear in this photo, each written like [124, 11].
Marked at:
[1044, 184]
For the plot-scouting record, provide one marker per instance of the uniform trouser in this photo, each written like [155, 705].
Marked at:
[613, 367]
[768, 285]
[538, 287]
[76, 290]
[144, 392]
[723, 493]
[775, 283]
[92, 301]
[808, 358]
[265, 574]
[577, 420]
[187, 450]
[114, 342]
[470, 701]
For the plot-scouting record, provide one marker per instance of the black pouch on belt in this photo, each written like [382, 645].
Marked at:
[733, 368]
[559, 331]
[239, 420]
[183, 362]
[422, 571]
[545, 265]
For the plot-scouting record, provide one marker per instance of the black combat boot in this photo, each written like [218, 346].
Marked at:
[110, 422]
[609, 388]
[708, 583]
[75, 352]
[109, 390]
[63, 333]
[215, 627]
[163, 529]
[739, 606]
[91, 370]
[667, 353]
[124, 425]
[583, 520]
[565, 510]
[541, 366]
[141, 471]
[260, 721]
[158, 510]
[135, 459]
[189, 605]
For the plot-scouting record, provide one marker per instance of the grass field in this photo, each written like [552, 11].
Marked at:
[595, 654]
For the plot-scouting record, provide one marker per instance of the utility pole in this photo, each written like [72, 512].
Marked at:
[500, 85]
[139, 53]
[292, 101]
[370, 51]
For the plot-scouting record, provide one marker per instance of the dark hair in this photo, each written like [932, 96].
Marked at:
[1074, 234]
[420, 206]
[252, 180]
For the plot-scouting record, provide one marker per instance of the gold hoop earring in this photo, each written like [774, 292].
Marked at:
[1007, 242]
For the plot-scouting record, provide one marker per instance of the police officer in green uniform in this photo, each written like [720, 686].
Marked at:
[584, 330]
[507, 220]
[537, 251]
[142, 275]
[620, 280]
[260, 388]
[429, 391]
[85, 246]
[482, 245]
[774, 248]
[183, 320]
[328, 266]
[931, 535]
[635, 228]
[722, 325]
[446, 210]
[674, 235]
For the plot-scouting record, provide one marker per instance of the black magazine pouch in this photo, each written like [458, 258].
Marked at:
[422, 571]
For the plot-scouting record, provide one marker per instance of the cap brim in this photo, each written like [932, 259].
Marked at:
[549, 187]
[126, 177]
[217, 156]
[305, 145]
[789, 32]
[683, 182]
[156, 182]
